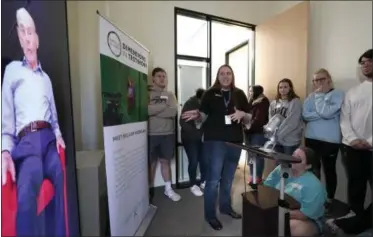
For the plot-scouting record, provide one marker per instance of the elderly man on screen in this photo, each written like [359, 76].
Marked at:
[31, 135]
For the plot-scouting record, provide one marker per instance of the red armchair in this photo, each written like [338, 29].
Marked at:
[9, 201]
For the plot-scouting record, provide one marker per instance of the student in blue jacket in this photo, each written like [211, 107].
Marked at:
[321, 112]
[307, 189]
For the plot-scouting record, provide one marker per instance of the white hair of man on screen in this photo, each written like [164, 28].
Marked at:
[24, 18]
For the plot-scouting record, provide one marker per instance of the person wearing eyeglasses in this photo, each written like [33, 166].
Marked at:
[321, 112]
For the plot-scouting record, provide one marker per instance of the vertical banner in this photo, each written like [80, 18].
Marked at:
[124, 68]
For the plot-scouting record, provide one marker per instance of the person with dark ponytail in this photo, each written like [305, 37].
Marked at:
[307, 189]
[259, 106]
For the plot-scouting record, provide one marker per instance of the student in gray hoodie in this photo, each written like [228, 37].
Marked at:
[191, 137]
[162, 110]
[288, 104]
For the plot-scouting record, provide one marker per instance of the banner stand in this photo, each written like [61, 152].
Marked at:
[124, 85]
[146, 221]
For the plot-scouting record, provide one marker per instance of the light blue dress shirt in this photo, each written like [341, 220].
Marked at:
[27, 96]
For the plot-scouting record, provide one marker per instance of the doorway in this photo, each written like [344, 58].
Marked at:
[201, 47]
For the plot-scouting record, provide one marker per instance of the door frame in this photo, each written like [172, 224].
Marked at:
[234, 49]
[208, 60]
[238, 47]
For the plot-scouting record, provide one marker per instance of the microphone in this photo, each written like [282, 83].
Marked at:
[270, 132]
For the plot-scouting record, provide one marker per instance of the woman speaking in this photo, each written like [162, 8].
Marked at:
[223, 109]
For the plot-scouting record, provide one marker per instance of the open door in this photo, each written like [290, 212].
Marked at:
[281, 52]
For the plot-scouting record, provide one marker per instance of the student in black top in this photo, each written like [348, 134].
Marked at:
[259, 106]
[223, 110]
[191, 137]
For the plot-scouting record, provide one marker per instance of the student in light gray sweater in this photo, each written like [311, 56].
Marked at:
[162, 110]
[288, 104]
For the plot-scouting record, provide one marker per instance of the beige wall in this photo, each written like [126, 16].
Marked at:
[282, 50]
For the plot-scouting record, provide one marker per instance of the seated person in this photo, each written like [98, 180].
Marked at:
[306, 188]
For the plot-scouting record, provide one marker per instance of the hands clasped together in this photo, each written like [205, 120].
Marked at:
[361, 144]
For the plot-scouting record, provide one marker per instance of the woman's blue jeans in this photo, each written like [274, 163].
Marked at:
[222, 161]
[257, 139]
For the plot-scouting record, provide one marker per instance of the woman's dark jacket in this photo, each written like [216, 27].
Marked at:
[259, 109]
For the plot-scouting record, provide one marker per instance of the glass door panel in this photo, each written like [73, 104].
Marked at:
[191, 76]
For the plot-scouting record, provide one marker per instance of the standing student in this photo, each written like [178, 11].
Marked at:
[259, 105]
[223, 109]
[356, 126]
[191, 137]
[162, 110]
[288, 104]
[321, 112]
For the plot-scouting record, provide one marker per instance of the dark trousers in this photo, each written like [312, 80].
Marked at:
[222, 161]
[194, 152]
[358, 165]
[36, 158]
[356, 224]
[327, 154]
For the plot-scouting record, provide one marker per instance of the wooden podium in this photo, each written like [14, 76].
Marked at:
[260, 212]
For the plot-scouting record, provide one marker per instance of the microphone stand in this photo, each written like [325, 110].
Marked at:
[284, 171]
[283, 206]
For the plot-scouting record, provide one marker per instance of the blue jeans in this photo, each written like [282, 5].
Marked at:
[257, 139]
[194, 151]
[222, 161]
[288, 150]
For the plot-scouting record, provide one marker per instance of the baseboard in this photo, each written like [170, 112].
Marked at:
[146, 221]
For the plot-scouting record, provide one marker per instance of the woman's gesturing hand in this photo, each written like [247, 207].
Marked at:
[237, 116]
[191, 115]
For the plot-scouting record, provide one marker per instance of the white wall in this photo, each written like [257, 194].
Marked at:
[340, 31]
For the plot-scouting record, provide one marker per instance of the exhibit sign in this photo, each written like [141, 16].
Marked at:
[124, 69]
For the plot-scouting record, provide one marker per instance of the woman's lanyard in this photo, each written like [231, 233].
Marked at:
[226, 101]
